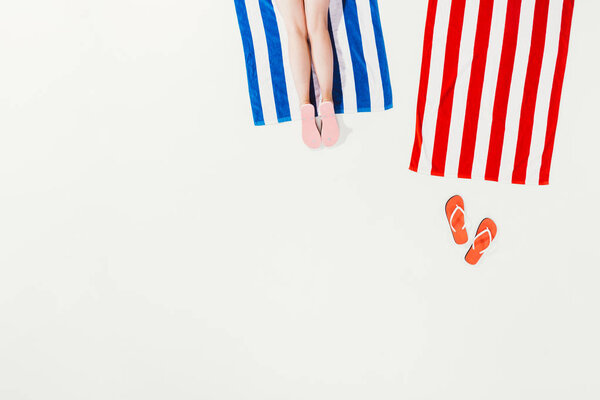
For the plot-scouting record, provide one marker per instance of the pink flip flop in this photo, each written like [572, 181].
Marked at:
[310, 132]
[330, 131]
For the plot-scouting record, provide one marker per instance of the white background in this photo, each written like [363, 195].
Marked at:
[155, 245]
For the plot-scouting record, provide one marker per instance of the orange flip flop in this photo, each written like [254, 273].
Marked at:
[455, 212]
[485, 235]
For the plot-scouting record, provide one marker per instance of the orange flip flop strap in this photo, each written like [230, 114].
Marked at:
[483, 241]
[451, 218]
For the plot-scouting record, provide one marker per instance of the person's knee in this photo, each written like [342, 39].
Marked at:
[298, 29]
[317, 27]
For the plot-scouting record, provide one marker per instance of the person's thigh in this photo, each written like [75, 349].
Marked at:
[316, 12]
[292, 12]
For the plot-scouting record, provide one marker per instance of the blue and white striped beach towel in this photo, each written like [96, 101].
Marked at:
[361, 77]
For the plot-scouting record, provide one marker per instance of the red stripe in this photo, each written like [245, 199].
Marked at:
[482, 39]
[424, 84]
[440, 147]
[507, 62]
[559, 75]
[532, 82]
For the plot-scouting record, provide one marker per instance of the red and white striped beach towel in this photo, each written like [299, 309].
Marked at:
[491, 82]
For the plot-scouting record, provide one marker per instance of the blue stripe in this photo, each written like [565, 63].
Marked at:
[338, 95]
[359, 64]
[383, 63]
[275, 60]
[251, 72]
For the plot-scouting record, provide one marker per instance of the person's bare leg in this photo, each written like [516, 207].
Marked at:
[322, 58]
[299, 57]
[298, 48]
[320, 44]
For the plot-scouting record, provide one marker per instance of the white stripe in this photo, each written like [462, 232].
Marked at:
[540, 122]
[436, 74]
[371, 56]
[488, 94]
[461, 89]
[316, 87]
[515, 99]
[289, 79]
[263, 68]
[336, 10]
